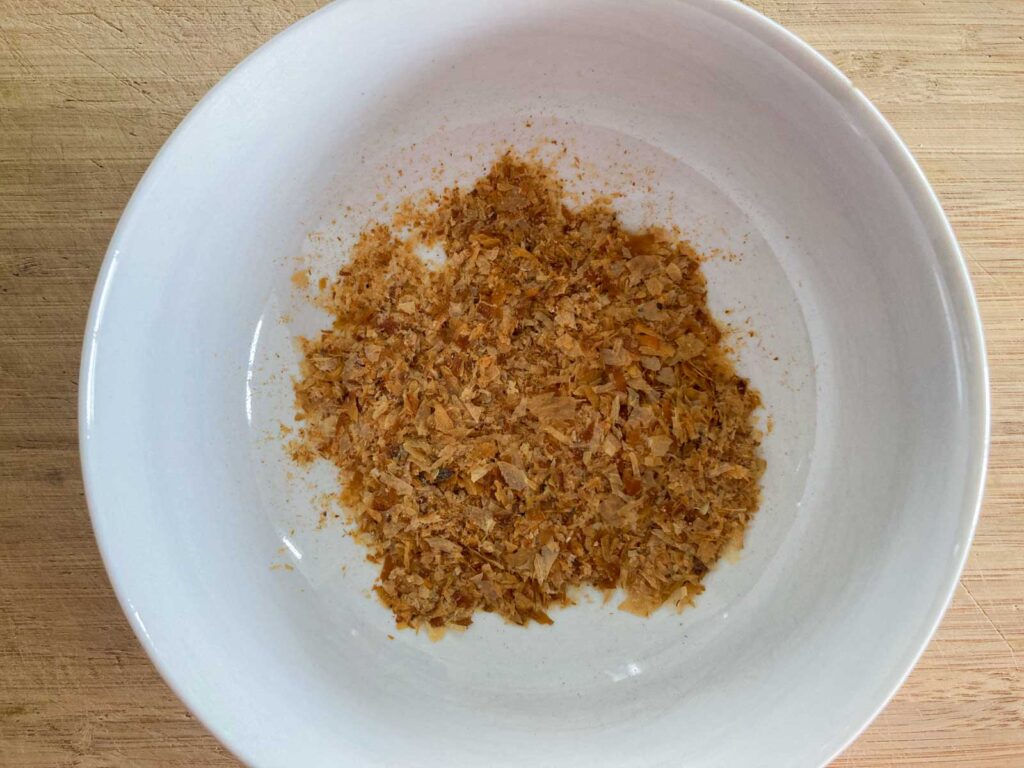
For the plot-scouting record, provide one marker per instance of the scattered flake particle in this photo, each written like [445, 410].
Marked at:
[300, 278]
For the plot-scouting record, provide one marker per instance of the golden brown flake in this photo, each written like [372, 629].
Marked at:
[551, 408]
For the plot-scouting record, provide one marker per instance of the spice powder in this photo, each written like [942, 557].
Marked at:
[551, 408]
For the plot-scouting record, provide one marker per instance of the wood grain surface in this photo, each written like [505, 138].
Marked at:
[90, 89]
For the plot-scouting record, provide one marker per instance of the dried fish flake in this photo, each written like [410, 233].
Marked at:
[549, 408]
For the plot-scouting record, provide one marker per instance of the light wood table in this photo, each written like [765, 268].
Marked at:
[88, 92]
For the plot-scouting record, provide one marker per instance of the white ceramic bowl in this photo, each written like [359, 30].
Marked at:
[869, 354]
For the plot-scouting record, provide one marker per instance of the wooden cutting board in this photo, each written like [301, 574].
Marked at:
[89, 90]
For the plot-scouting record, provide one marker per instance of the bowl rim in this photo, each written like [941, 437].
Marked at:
[951, 263]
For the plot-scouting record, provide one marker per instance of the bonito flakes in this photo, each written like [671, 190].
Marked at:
[551, 408]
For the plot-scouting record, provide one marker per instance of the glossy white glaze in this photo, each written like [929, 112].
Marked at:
[736, 132]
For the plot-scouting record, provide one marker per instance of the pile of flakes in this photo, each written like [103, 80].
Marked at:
[551, 408]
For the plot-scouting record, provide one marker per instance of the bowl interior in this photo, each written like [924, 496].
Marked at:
[704, 115]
